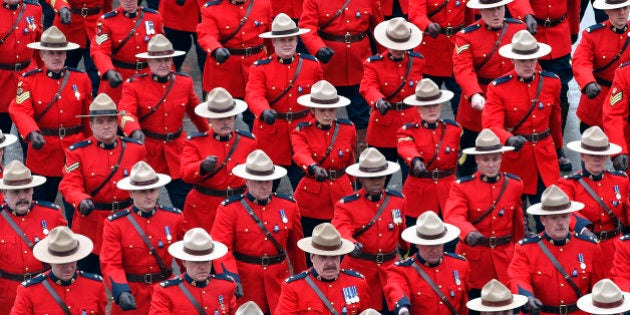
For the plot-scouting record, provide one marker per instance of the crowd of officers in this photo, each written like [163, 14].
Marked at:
[484, 222]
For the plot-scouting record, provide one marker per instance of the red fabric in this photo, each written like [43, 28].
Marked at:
[292, 8]
[81, 29]
[168, 299]
[620, 271]
[615, 110]
[181, 18]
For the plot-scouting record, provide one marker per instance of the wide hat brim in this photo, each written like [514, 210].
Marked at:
[585, 304]
[602, 5]
[475, 4]
[380, 34]
[125, 183]
[40, 251]
[305, 100]
[537, 209]
[474, 151]
[114, 114]
[9, 139]
[305, 244]
[353, 170]
[506, 51]
[271, 35]
[177, 250]
[145, 55]
[445, 97]
[577, 147]
[38, 46]
[517, 301]
[410, 235]
[36, 181]
[202, 110]
[241, 171]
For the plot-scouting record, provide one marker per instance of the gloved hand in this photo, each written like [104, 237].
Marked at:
[620, 162]
[86, 206]
[433, 29]
[516, 141]
[418, 167]
[473, 238]
[574, 38]
[478, 102]
[37, 140]
[65, 15]
[530, 22]
[319, 173]
[586, 232]
[239, 288]
[592, 90]
[208, 164]
[138, 135]
[534, 305]
[383, 106]
[324, 54]
[356, 252]
[180, 2]
[563, 161]
[269, 116]
[126, 301]
[403, 311]
[221, 54]
[114, 78]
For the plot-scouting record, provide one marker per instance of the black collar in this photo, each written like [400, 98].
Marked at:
[223, 138]
[493, 29]
[194, 283]
[130, 15]
[107, 146]
[395, 59]
[527, 80]
[322, 127]
[13, 212]
[557, 242]
[11, 6]
[488, 179]
[316, 275]
[430, 125]
[591, 176]
[619, 30]
[257, 201]
[238, 2]
[143, 213]
[55, 75]
[159, 79]
[286, 61]
[372, 197]
[425, 263]
[60, 282]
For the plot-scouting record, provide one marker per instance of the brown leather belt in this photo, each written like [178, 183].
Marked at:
[62, 131]
[20, 277]
[561, 309]
[347, 38]
[138, 65]
[290, 116]
[606, 235]
[435, 174]
[86, 11]
[537, 137]
[114, 206]
[378, 258]
[263, 261]
[247, 51]
[484, 81]
[149, 278]
[15, 66]
[450, 31]
[400, 106]
[603, 82]
[168, 137]
[493, 242]
[334, 174]
[549, 22]
[220, 193]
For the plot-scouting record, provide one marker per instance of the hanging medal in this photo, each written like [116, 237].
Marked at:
[283, 216]
[75, 89]
[221, 302]
[581, 260]
[458, 281]
[617, 193]
[167, 231]
[44, 227]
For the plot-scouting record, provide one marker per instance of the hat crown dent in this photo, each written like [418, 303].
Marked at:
[197, 239]
[219, 100]
[606, 291]
[16, 171]
[429, 224]
[323, 90]
[159, 43]
[53, 35]
[487, 138]
[61, 239]
[103, 102]
[397, 29]
[249, 308]
[282, 23]
[326, 235]
[426, 88]
[370, 311]
[142, 172]
[371, 158]
[595, 137]
[495, 291]
[553, 196]
[524, 41]
[259, 161]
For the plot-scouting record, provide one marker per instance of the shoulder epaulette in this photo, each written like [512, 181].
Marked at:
[196, 135]
[416, 54]
[302, 125]
[131, 140]
[625, 237]
[285, 197]
[171, 209]
[298, 276]
[344, 121]
[405, 262]
[74, 69]
[471, 28]
[512, 176]
[232, 199]
[465, 179]
[512, 20]
[27, 73]
[149, 10]
[32, 2]
[624, 64]
[450, 122]
[549, 74]
[91, 276]
[211, 3]
[223, 277]
[137, 75]
[262, 61]
[353, 273]
[530, 240]
[586, 238]
[171, 282]
[47, 204]
[118, 215]
[394, 192]
[80, 144]
[455, 255]
[350, 198]
[35, 280]
[375, 58]
[575, 176]
[308, 56]
[183, 74]
[109, 14]
[410, 125]
[502, 79]
[617, 173]
[595, 27]
[245, 134]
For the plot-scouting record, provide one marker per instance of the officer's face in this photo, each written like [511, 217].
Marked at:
[373, 185]
[19, 199]
[129, 5]
[325, 116]
[430, 113]
[396, 53]
[285, 46]
[326, 266]
[145, 199]
[64, 271]
[430, 253]
[489, 164]
[161, 66]
[525, 68]
[104, 128]
[198, 270]
[12, 2]
[261, 190]
[53, 60]
[594, 164]
[493, 17]
[618, 17]
[222, 126]
[557, 225]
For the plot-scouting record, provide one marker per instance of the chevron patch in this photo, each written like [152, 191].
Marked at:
[615, 97]
[125, 119]
[72, 167]
[20, 98]
[459, 49]
[101, 38]
[405, 139]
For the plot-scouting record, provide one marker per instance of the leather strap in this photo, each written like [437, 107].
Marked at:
[532, 106]
[16, 228]
[191, 298]
[85, 11]
[113, 206]
[227, 158]
[146, 241]
[321, 295]
[114, 170]
[378, 258]
[290, 116]
[549, 22]
[240, 24]
[373, 220]
[138, 66]
[556, 264]
[494, 48]
[167, 137]
[345, 38]
[494, 203]
[617, 56]
[56, 297]
[131, 33]
[404, 79]
[15, 24]
[437, 147]
[435, 174]
[600, 202]
[536, 136]
[227, 193]
[560, 309]
[337, 14]
[602, 81]
[291, 83]
[438, 9]
[332, 142]
[435, 288]
[247, 51]
[149, 278]
[262, 261]
[19, 277]
[493, 241]
[15, 66]
[62, 131]
[161, 101]
[56, 97]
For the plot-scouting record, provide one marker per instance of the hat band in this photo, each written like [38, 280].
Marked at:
[326, 247]
[198, 252]
[608, 305]
[398, 39]
[429, 98]
[64, 253]
[489, 1]
[615, 1]
[557, 208]
[103, 112]
[497, 303]
[525, 52]
[594, 148]
[285, 32]
[373, 169]
[146, 182]
[53, 45]
[431, 237]
[322, 101]
[222, 110]
[161, 52]
[260, 173]
[17, 182]
[489, 147]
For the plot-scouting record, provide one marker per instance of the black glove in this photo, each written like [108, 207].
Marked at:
[126, 301]
[221, 54]
[574, 38]
[592, 90]
[239, 288]
[319, 173]
[530, 22]
[620, 162]
[356, 252]
[473, 238]
[433, 29]
[208, 164]
[517, 142]
[383, 106]
[86, 206]
[403, 311]
[269, 116]
[138, 135]
[418, 167]
[114, 78]
[324, 54]
[534, 305]
[586, 232]
[180, 2]
[37, 140]
[65, 15]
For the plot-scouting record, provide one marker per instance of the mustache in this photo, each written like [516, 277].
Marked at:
[22, 202]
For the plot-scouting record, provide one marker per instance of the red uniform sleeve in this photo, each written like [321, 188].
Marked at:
[573, 15]
[23, 304]
[518, 271]
[342, 220]
[407, 149]
[288, 302]
[620, 271]
[193, 100]
[208, 32]
[129, 104]
[456, 211]
[520, 8]
[301, 154]
[297, 256]
[397, 287]
[370, 88]
[582, 60]
[101, 48]
[615, 110]
[72, 185]
[223, 230]
[464, 67]
[191, 163]
[22, 110]
[111, 258]
[160, 302]
[256, 90]
[418, 14]
[493, 114]
[555, 121]
[310, 20]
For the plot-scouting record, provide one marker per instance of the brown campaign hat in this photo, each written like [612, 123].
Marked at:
[496, 297]
[326, 241]
[17, 176]
[197, 245]
[283, 26]
[62, 246]
[428, 93]
[487, 143]
[524, 46]
[220, 104]
[160, 47]
[53, 39]
[430, 230]
[259, 166]
[141, 177]
[594, 142]
[323, 95]
[398, 34]
[372, 163]
[554, 201]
